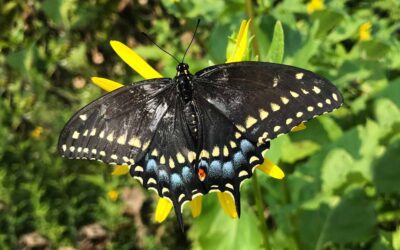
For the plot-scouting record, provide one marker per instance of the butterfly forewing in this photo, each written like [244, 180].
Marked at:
[118, 127]
[265, 100]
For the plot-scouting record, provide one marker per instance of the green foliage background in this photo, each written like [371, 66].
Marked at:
[342, 189]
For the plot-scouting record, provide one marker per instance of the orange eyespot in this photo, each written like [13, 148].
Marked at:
[202, 174]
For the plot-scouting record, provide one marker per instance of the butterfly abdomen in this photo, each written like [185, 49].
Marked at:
[192, 120]
[185, 90]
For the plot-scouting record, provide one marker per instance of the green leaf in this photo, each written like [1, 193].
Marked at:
[374, 50]
[328, 19]
[352, 220]
[386, 112]
[386, 170]
[22, 60]
[392, 92]
[59, 10]
[396, 239]
[310, 48]
[215, 230]
[76, 59]
[294, 151]
[277, 48]
[336, 166]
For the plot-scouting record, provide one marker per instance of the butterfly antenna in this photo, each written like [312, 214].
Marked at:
[151, 40]
[194, 34]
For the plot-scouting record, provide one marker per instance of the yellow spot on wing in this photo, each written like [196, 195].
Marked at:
[134, 141]
[316, 90]
[180, 158]
[122, 139]
[171, 163]
[162, 160]
[226, 151]
[299, 76]
[284, 100]
[110, 137]
[240, 128]
[145, 145]
[75, 135]
[154, 153]
[250, 121]
[204, 154]
[191, 156]
[263, 114]
[294, 94]
[215, 151]
[275, 107]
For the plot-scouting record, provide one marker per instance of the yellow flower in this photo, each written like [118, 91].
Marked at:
[139, 65]
[315, 5]
[364, 32]
[37, 132]
[113, 195]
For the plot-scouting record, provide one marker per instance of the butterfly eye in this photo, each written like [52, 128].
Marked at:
[201, 172]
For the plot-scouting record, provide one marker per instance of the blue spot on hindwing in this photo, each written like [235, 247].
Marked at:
[176, 181]
[215, 169]
[187, 174]
[163, 176]
[151, 166]
[227, 170]
[246, 146]
[239, 160]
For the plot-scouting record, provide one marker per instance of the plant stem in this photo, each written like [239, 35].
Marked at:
[260, 211]
[256, 186]
[250, 14]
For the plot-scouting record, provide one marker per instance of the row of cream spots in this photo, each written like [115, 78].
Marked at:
[263, 114]
[217, 170]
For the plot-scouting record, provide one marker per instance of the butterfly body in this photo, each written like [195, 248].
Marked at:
[196, 134]
[184, 83]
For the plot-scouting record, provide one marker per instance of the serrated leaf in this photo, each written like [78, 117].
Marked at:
[277, 48]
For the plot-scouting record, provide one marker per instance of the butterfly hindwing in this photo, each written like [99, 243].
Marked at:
[167, 167]
[265, 100]
[225, 153]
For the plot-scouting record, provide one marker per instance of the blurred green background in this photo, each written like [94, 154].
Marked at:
[342, 188]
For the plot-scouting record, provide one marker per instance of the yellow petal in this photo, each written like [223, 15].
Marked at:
[195, 205]
[315, 5]
[365, 31]
[271, 169]
[241, 43]
[164, 206]
[106, 84]
[228, 204]
[113, 195]
[300, 127]
[120, 170]
[134, 60]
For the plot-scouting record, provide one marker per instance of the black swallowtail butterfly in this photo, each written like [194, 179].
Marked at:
[194, 134]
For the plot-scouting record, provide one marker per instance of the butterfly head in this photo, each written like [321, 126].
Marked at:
[182, 69]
